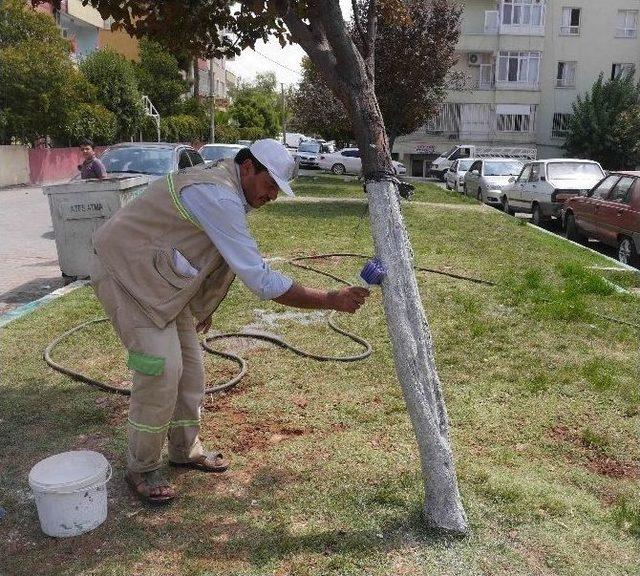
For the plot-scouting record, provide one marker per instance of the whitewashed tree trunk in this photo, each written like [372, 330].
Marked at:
[326, 41]
[415, 365]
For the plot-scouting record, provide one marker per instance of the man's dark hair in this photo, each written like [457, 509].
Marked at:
[86, 142]
[245, 154]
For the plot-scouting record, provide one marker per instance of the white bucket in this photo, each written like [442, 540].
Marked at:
[70, 490]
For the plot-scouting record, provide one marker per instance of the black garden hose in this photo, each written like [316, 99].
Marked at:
[256, 336]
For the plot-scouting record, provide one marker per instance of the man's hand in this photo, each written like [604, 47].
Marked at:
[204, 325]
[348, 299]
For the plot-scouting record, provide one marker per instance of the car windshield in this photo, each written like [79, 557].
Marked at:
[138, 160]
[214, 153]
[502, 168]
[571, 170]
[312, 147]
[464, 165]
[449, 152]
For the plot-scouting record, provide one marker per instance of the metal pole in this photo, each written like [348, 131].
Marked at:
[284, 121]
[212, 97]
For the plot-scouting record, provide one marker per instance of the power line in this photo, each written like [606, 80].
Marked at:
[277, 63]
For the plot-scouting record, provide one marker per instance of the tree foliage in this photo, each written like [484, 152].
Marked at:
[159, 77]
[116, 88]
[605, 124]
[91, 121]
[256, 107]
[39, 86]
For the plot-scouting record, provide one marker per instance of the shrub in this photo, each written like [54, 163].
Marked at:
[91, 121]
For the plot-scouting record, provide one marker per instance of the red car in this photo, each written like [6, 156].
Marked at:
[610, 213]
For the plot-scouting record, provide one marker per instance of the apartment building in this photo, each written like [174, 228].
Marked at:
[223, 80]
[521, 65]
[87, 31]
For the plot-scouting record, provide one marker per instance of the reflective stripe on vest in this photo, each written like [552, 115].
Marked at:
[182, 211]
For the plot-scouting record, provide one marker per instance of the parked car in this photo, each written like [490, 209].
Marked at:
[153, 158]
[347, 161]
[610, 213]
[213, 152]
[542, 187]
[487, 177]
[454, 177]
[308, 153]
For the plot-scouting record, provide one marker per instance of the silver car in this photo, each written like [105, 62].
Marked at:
[487, 178]
[454, 177]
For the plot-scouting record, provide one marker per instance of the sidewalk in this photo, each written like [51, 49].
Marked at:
[27, 247]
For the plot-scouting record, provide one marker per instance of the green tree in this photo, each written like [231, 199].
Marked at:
[256, 106]
[605, 124]
[159, 77]
[92, 121]
[39, 86]
[116, 88]
[411, 63]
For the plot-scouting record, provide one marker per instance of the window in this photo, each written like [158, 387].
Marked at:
[514, 122]
[523, 12]
[602, 190]
[524, 175]
[570, 22]
[184, 161]
[622, 69]
[535, 173]
[622, 191]
[195, 157]
[476, 166]
[627, 24]
[519, 67]
[566, 77]
[560, 126]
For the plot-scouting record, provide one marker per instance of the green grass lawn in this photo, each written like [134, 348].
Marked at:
[542, 394]
[325, 185]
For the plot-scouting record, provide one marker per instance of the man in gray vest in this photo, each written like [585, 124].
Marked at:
[164, 263]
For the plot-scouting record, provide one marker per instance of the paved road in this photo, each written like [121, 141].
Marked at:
[27, 248]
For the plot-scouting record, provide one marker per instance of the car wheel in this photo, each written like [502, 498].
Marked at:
[627, 253]
[573, 232]
[479, 195]
[338, 169]
[506, 207]
[447, 185]
[536, 216]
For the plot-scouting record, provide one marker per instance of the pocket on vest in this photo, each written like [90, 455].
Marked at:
[163, 263]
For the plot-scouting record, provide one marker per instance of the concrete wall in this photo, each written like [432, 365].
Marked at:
[55, 164]
[14, 165]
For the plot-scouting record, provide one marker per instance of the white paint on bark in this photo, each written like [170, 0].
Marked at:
[414, 360]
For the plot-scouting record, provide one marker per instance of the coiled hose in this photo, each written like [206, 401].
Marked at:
[273, 339]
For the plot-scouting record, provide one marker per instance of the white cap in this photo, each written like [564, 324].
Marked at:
[277, 160]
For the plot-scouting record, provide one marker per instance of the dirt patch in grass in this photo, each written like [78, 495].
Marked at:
[593, 458]
[247, 432]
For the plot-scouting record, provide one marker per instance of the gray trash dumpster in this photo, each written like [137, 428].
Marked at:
[78, 209]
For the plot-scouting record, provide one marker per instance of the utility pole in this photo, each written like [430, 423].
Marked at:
[212, 98]
[284, 120]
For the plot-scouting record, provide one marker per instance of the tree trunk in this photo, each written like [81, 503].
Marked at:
[345, 72]
[407, 324]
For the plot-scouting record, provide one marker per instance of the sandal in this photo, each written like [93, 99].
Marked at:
[146, 485]
[207, 462]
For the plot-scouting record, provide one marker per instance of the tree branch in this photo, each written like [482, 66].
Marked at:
[313, 41]
[372, 30]
[358, 22]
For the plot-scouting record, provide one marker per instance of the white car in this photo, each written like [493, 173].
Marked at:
[543, 186]
[214, 152]
[347, 161]
[487, 177]
[454, 177]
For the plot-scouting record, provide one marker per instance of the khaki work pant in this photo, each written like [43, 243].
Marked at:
[168, 381]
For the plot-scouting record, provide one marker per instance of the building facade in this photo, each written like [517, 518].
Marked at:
[87, 31]
[521, 65]
[223, 80]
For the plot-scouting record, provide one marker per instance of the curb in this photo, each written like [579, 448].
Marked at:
[620, 266]
[29, 307]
